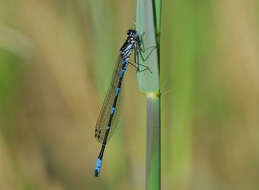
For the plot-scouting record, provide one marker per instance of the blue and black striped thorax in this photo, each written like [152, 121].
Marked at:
[130, 44]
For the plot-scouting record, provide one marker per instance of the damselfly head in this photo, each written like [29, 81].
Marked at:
[132, 33]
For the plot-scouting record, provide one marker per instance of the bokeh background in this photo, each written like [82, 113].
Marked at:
[56, 61]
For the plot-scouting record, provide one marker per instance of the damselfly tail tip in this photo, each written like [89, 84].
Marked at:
[97, 173]
[98, 167]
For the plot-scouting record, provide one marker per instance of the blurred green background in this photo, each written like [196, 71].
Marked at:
[56, 61]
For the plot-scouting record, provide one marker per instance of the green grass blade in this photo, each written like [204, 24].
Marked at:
[148, 82]
[148, 26]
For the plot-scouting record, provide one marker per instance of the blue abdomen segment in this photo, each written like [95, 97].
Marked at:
[122, 72]
[117, 91]
[113, 109]
[98, 167]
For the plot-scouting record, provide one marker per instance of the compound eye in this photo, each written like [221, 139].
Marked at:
[128, 32]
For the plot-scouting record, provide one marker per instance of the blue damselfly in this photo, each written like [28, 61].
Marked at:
[109, 111]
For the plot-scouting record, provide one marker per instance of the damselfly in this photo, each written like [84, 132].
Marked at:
[109, 111]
